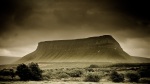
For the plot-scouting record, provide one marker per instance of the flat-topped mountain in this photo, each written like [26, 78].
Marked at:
[93, 49]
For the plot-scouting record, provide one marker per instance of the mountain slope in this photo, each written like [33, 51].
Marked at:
[141, 59]
[8, 59]
[94, 49]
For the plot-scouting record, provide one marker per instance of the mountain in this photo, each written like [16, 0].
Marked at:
[93, 49]
[8, 59]
[141, 59]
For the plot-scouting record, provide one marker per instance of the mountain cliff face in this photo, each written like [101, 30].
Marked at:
[94, 49]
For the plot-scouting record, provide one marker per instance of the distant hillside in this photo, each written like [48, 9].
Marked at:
[141, 59]
[94, 49]
[8, 59]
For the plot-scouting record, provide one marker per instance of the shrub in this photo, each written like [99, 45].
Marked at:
[92, 77]
[7, 72]
[30, 72]
[36, 72]
[45, 77]
[63, 75]
[144, 80]
[75, 73]
[23, 72]
[133, 77]
[47, 74]
[93, 66]
[89, 70]
[144, 71]
[116, 77]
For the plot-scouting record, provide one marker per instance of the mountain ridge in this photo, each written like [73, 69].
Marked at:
[93, 49]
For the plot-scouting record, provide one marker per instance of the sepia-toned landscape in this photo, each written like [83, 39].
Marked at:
[80, 61]
[74, 42]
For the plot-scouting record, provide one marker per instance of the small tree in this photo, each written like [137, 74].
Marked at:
[116, 77]
[30, 72]
[36, 72]
[23, 72]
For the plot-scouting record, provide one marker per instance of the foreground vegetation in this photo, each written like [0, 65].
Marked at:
[116, 73]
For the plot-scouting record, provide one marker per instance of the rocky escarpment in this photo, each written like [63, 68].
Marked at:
[94, 49]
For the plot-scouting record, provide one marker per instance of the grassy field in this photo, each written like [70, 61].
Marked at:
[77, 73]
[49, 82]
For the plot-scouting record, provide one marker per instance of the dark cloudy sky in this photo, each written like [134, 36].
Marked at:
[24, 23]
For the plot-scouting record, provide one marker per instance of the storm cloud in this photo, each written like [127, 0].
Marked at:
[27, 22]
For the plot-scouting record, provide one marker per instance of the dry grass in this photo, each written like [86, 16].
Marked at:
[49, 82]
[59, 73]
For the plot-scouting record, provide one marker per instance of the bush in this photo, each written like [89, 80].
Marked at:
[7, 72]
[92, 77]
[93, 66]
[75, 73]
[144, 71]
[45, 77]
[36, 72]
[116, 77]
[30, 72]
[144, 80]
[63, 75]
[47, 74]
[89, 70]
[23, 72]
[133, 77]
